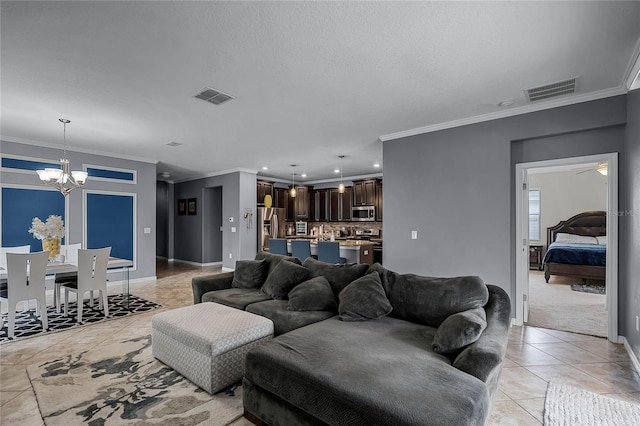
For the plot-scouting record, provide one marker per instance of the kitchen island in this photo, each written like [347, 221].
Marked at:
[355, 251]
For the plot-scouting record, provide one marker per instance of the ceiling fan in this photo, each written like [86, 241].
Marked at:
[601, 167]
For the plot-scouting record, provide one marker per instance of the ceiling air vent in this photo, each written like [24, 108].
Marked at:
[551, 90]
[214, 96]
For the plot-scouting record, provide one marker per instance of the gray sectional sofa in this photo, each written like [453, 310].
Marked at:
[392, 349]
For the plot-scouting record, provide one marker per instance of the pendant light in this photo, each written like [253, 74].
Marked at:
[292, 191]
[62, 179]
[341, 186]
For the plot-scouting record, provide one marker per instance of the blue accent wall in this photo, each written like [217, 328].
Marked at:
[110, 223]
[20, 206]
[110, 174]
[15, 163]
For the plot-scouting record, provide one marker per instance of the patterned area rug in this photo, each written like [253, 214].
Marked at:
[28, 324]
[589, 288]
[123, 384]
[565, 406]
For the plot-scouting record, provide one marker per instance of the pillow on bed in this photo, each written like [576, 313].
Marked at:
[602, 240]
[575, 239]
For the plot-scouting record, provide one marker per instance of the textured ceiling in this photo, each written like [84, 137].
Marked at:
[310, 80]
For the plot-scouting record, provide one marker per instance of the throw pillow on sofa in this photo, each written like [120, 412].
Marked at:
[312, 295]
[459, 330]
[284, 277]
[249, 274]
[339, 276]
[363, 299]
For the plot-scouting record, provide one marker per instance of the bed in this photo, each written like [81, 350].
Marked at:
[576, 247]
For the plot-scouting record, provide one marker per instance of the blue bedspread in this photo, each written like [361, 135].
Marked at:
[577, 254]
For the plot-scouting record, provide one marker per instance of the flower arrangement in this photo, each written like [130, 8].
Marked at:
[53, 228]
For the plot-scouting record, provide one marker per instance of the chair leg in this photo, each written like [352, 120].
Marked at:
[90, 298]
[80, 306]
[103, 302]
[56, 296]
[11, 320]
[66, 301]
[44, 317]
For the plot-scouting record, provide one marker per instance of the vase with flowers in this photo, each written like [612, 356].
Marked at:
[50, 232]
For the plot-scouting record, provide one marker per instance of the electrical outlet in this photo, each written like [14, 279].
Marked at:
[147, 230]
[637, 323]
[414, 235]
[230, 219]
[230, 255]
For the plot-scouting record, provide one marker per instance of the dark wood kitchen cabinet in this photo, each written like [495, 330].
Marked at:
[298, 206]
[280, 197]
[340, 205]
[319, 209]
[379, 201]
[364, 193]
[263, 188]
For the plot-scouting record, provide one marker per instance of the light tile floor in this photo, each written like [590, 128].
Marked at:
[534, 357]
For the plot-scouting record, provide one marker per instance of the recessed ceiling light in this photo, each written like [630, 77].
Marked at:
[174, 144]
[165, 175]
[265, 168]
[376, 165]
[304, 175]
[336, 171]
[506, 103]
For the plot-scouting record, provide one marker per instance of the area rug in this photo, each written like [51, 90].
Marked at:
[28, 324]
[568, 406]
[589, 288]
[123, 384]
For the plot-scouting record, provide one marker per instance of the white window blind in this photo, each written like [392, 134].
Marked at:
[534, 214]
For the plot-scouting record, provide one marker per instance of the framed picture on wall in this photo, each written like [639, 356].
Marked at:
[182, 207]
[191, 206]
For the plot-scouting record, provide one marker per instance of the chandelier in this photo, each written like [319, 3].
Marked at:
[62, 179]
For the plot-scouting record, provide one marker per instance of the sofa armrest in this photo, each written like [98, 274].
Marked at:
[207, 283]
[483, 358]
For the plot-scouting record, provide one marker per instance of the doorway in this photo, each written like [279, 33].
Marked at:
[524, 245]
[212, 226]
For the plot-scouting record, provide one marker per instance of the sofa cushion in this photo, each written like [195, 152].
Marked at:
[363, 299]
[459, 330]
[238, 298]
[274, 259]
[339, 276]
[284, 277]
[285, 320]
[430, 300]
[313, 295]
[249, 274]
[385, 375]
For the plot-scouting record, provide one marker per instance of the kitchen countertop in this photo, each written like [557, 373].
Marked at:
[343, 243]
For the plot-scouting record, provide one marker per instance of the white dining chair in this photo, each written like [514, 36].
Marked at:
[92, 275]
[70, 253]
[5, 250]
[25, 281]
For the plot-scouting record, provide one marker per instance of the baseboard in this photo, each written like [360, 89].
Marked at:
[632, 355]
[188, 262]
[225, 269]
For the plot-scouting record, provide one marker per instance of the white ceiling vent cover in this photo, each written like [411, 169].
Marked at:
[551, 90]
[214, 96]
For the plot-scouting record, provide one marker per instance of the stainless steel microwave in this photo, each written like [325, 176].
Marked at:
[363, 214]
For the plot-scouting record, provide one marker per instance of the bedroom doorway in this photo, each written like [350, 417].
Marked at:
[532, 292]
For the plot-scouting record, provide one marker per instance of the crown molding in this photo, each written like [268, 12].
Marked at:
[75, 149]
[631, 78]
[316, 181]
[218, 173]
[555, 103]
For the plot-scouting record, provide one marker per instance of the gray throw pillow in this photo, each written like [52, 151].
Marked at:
[339, 276]
[363, 299]
[248, 274]
[284, 277]
[313, 295]
[459, 330]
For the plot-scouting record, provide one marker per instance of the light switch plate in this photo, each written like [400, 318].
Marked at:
[147, 230]
[414, 235]
[233, 229]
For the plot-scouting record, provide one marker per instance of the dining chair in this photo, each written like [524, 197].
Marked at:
[92, 275]
[278, 246]
[300, 249]
[329, 251]
[5, 250]
[70, 253]
[25, 281]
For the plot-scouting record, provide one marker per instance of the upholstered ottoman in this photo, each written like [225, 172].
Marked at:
[207, 342]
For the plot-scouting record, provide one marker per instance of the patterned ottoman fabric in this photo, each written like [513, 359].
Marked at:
[207, 342]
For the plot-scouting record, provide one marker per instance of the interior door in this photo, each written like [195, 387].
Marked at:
[525, 242]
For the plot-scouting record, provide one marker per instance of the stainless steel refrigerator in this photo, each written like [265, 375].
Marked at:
[270, 225]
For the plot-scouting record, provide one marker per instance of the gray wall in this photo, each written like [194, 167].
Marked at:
[162, 219]
[629, 223]
[238, 192]
[145, 190]
[455, 187]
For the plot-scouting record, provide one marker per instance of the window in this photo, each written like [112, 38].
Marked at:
[534, 214]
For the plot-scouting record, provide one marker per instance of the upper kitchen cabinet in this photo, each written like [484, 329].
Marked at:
[364, 192]
[298, 206]
[263, 188]
[339, 206]
[379, 201]
[280, 197]
[318, 205]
